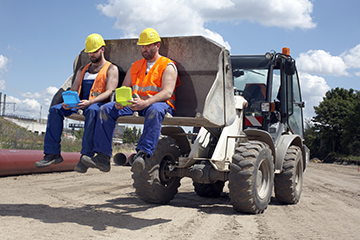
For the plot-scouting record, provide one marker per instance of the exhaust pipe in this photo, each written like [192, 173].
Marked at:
[123, 159]
[18, 162]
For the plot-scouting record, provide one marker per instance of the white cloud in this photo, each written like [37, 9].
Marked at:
[274, 13]
[51, 90]
[32, 103]
[3, 61]
[3, 68]
[27, 107]
[14, 105]
[187, 17]
[2, 84]
[321, 62]
[45, 94]
[352, 57]
[313, 90]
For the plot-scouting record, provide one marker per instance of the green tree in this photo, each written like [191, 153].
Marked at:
[312, 140]
[350, 140]
[79, 134]
[131, 135]
[331, 117]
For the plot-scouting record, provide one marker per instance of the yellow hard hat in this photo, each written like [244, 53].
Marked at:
[93, 42]
[148, 36]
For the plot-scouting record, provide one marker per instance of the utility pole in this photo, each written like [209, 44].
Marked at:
[4, 105]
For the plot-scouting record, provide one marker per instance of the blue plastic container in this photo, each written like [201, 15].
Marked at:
[71, 98]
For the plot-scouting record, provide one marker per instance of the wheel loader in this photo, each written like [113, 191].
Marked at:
[246, 112]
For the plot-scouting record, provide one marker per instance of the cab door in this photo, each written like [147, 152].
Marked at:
[295, 119]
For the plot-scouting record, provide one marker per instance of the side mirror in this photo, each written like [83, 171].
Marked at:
[290, 66]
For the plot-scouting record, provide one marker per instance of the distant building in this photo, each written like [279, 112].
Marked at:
[119, 130]
[35, 126]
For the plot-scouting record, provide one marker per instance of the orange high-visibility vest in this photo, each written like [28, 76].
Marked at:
[99, 85]
[147, 85]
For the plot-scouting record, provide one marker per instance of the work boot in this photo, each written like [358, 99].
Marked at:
[80, 167]
[48, 160]
[138, 164]
[100, 161]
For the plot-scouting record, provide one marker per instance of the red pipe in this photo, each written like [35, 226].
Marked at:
[17, 162]
[131, 158]
[122, 159]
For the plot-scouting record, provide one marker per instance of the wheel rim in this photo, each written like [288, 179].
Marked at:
[298, 177]
[165, 167]
[263, 179]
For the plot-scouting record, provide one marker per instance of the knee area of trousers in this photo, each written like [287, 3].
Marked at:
[91, 112]
[103, 113]
[53, 109]
[153, 113]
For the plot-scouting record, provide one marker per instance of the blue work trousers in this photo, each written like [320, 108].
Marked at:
[55, 126]
[108, 115]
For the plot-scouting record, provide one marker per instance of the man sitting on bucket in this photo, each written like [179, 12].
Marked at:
[94, 83]
[153, 80]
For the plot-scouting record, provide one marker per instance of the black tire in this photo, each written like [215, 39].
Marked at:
[288, 184]
[209, 190]
[151, 185]
[251, 177]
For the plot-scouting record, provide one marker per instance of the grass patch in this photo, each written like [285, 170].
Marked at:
[124, 148]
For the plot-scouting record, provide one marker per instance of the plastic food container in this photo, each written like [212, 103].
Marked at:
[122, 95]
[71, 98]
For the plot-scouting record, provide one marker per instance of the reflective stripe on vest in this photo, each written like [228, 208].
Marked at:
[99, 85]
[147, 85]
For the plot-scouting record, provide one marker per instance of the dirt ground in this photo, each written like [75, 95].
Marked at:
[97, 205]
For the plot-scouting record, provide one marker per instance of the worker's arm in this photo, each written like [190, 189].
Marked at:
[76, 83]
[127, 79]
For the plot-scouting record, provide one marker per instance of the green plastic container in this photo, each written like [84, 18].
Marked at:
[122, 95]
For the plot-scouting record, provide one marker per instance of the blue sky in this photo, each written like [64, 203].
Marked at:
[40, 39]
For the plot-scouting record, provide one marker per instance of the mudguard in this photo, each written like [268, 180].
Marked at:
[282, 146]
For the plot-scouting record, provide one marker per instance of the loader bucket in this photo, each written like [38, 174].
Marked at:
[205, 96]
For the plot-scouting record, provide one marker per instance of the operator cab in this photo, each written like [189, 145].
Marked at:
[270, 84]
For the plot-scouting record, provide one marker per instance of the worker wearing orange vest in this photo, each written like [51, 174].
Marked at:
[153, 80]
[94, 83]
[99, 84]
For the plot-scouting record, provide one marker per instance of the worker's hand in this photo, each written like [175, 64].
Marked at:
[65, 106]
[83, 104]
[138, 104]
[118, 106]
